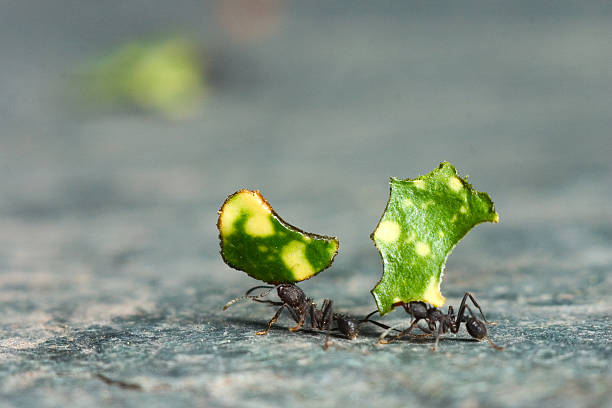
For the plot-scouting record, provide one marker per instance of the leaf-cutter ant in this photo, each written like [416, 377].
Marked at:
[433, 316]
[299, 306]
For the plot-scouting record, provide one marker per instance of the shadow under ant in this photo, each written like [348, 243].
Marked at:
[301, 307]
[250, 324]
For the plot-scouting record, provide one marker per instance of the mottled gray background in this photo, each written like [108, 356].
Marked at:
[109, 257]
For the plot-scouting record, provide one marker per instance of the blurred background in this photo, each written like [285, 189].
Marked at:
[124, 125]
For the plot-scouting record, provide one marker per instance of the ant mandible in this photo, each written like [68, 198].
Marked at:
[299, 306]
[445, 322]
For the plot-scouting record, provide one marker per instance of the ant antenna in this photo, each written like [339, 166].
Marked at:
[252, 297]
[259, 287]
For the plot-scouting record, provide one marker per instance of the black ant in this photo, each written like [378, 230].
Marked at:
[446, 322]
[299, 306]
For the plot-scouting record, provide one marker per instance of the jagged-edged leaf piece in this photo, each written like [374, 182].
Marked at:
[254, 239]
[425, 218]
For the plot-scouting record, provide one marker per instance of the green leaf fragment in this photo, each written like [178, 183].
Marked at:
[254, 239]
[425, 218]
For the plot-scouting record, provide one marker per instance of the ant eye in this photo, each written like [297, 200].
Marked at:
[424, 219]
[254, 239]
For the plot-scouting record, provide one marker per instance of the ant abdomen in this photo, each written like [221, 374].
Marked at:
[476, 328]
[347, 326]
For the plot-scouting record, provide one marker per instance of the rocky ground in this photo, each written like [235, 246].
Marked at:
[111, 285]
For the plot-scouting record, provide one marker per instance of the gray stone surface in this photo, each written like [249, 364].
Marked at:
[109, 260]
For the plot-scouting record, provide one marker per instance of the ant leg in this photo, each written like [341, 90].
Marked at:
[374, 322]
[367, 318]
[312, 310]
[381, 339]
[271, 322]
[426, 332]
[327, 311]
[385, 334]
[438, 334]
[294, 313]
[379, 324]
[300, 322]
[326, 344]
[327, 319]
[482, 334]
[453, 325]
[462, 307]
[495, 346]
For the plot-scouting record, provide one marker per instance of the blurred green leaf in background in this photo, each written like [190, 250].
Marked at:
[166, 77]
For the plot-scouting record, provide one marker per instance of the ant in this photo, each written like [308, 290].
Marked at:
[299, 306]
[446, 322]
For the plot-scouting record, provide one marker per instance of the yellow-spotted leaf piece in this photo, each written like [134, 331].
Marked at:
[425, 218]
[254, 239]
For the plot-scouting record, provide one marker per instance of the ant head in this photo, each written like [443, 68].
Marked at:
[290, 294]
[476, 328]
[418, 310]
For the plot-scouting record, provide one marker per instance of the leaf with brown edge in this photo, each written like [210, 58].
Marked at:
[254, 239]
